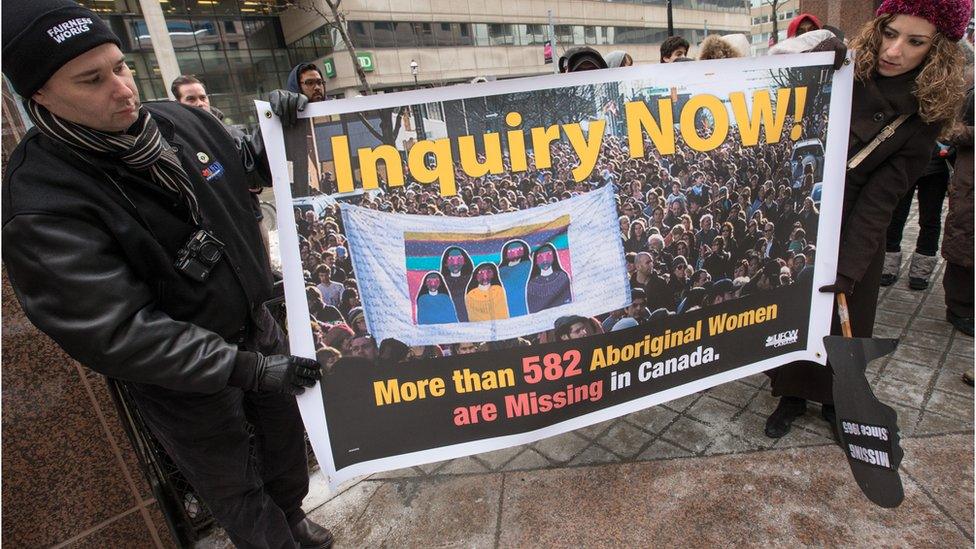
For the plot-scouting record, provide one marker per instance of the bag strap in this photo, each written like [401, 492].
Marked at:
[882, 136]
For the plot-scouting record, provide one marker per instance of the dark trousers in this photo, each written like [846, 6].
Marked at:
[931, 195]
[206, 437]
[958, 284]
[812, 381]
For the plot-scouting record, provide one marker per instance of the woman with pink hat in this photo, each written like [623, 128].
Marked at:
[908, 80]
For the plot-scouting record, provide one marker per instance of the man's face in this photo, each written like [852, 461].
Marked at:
[454, 262]
[484, 275]
[466, 348]
[313, 87]
[95, 90]
[325, 277]
[644, 264]
[578, 330]
[194, 95]
[433, 283]
[805, 26]
[680, 52]
[362, 347]
[544, 259]
[635, 308]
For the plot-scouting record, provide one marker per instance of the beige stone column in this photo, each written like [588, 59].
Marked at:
[169, 68]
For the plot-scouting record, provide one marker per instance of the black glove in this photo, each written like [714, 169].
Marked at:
[275, 373]
[286, 105]
[835, 45]
[842, 285]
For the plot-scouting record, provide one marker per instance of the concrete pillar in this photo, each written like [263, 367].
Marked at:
[169, 68]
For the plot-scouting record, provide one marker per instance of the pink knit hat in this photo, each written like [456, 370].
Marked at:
[950, 17]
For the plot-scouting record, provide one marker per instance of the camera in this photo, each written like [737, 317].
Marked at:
[199, 255]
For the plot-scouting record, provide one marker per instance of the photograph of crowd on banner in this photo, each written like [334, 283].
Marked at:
[660, 229]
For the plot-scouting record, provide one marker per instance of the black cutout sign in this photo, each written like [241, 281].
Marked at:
[869, 428]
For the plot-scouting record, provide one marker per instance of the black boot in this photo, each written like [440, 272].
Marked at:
[309, 535]
[788, 409]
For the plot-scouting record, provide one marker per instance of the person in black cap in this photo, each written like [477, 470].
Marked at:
[127, 238]
[581, 58]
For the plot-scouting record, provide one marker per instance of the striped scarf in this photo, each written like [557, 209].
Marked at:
[140, 152]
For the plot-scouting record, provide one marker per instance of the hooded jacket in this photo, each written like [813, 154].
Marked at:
[90, 246]
[296, 139]
[796, 21]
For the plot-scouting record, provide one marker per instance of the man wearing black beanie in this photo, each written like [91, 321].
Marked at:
[128, 238]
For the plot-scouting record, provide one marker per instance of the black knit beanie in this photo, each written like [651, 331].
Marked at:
[40, 36]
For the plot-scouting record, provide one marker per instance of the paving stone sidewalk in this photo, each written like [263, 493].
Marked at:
[698, 470]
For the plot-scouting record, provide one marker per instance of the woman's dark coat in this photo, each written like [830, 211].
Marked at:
[871, 192]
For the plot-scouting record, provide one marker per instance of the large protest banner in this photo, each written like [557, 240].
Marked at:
[488, 228]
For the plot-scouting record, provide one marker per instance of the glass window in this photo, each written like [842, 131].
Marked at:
[263, 33]
[383, 36]
[564, 34]
[501, 34]
[139, 31]
[579, 36]
[480, 34]
[425, 34]
[444, 34]
[465, 35]
[589, 35]
[358, 32]
[406, 36]
[189, 62]
[207, 36]
[532, 34]
[622, 35]
[281, 60]
[225, 7]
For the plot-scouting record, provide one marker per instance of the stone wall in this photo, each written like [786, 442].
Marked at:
[69, 474]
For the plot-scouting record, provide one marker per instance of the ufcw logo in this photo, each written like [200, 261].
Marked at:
[69, 28]
[783, 338]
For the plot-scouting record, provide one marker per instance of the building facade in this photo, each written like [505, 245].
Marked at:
[243, 49]
[459, 40]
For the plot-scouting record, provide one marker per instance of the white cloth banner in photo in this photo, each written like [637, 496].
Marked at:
[430, 280]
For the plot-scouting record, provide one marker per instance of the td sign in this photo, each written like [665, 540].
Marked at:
[365, 61]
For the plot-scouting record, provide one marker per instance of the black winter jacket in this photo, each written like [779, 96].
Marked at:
[90, 248]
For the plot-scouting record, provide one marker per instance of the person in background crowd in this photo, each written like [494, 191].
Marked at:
[957, 246]
[728, 46]
[331, 291]
[801, 24]
[362, 346]
[907, 63]
[673, 48]
[619, 58]
[327, 358]
[932, 187]
[581, 58]
[188, 90]
[572, 327]
[199, 354]
[306, 79]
